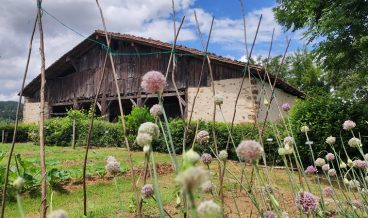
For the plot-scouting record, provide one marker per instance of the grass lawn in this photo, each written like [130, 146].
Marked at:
[102, 196]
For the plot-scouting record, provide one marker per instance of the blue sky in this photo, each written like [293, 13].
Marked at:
[147, 18]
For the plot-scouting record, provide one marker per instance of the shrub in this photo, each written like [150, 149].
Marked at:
[22, 131]
[325, 115]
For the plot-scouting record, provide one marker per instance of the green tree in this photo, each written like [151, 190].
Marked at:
[298, 70]
[339, 32]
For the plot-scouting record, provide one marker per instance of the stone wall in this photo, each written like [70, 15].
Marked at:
[250, 103]
[31, 111]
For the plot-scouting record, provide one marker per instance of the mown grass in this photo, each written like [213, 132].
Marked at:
[102, 197]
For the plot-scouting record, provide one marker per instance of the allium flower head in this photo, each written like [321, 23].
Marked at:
[330, 157]
[218, 99]
[342, 165]
[147, 149]
[355, 142]
[110, 159]
[331, 172]
[18, 183]
[269, 214]
[150, 129]
[354, 183]
[307, 202]
[328, 192]
[206, 158]
[281, 151]
[58, 214]
[207, 187]
[348, 125]
[288, 149]
[153, 82]
[249, 150]
[356, 204]
[304, 129]
[147, 191]
[326, 167]
[350, 163]
[191, 157]
[361, 164]
[223, 155]
[144, 139]
[156, 110]
[320, 162]
[112, 167]
[286, 107]
[192, 178]
[202, 136]
[209, 209]
[311, 170]
[285, 214]
[331, 140]
[289, 141]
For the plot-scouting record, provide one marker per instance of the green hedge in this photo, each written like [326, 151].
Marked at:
[325, 115]
[22, 132]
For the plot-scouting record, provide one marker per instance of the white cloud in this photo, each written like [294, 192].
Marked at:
[148, 18]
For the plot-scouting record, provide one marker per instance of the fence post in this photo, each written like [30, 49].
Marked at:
[73, 136]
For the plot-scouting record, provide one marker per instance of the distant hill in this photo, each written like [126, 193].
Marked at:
[8, 110]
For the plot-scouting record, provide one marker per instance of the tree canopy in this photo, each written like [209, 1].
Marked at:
[338, 30]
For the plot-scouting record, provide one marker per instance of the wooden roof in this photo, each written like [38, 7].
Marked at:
[55, 69]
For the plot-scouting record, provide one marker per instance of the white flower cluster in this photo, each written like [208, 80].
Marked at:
[147, 133]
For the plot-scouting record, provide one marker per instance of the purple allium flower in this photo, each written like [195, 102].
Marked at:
[202, 136]
[307, 202]
[348, 125]
[156, 110]
[328, 192]
[320, 162]
[356, 204]
[147, 191]
[153, 82]
[110, 159]
[361, 164]
[311, 170]
[286, 107]
[249, 150]
[112, 167]
[58, 214]
[269, 214]
[330, 157]
[326, 167]
[206, 158]
[331, 172]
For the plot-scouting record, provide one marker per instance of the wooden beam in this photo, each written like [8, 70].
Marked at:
[169, 94]
[133, 102]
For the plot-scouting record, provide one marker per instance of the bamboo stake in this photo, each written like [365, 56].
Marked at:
[17, 119]
[42, 117]
[90, 136]
[120, 107]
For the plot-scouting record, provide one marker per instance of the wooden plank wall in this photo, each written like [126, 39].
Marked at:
[83, 83]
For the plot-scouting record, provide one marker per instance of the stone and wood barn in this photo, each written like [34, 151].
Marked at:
[72, 81]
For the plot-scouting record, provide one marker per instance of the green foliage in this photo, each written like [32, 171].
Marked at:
[340, 30]
[325, 115]
[8, 110]
[22, 131]
[137, 116]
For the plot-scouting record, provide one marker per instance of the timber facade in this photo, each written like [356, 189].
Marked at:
[72, 81]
